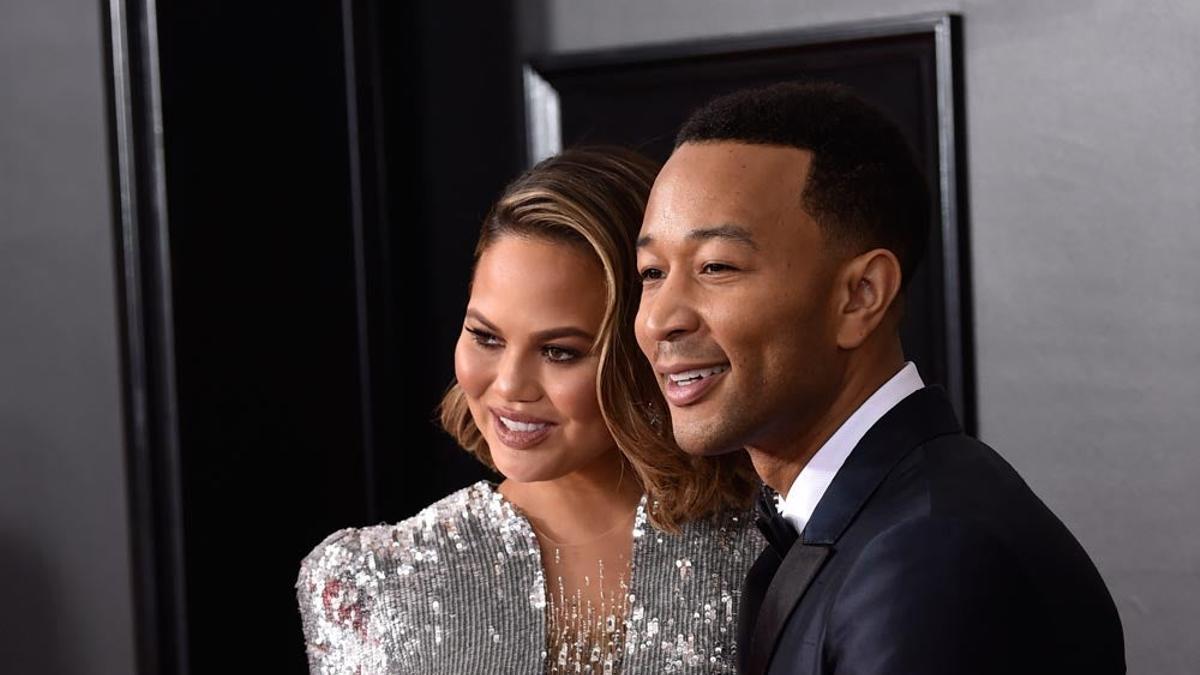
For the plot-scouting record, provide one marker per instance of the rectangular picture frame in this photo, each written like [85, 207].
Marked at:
[908, 66]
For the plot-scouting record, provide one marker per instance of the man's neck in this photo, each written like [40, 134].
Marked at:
[779, 465]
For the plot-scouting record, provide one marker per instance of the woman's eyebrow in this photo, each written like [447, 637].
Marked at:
[562, 332]
[478, 316]
[542, 335]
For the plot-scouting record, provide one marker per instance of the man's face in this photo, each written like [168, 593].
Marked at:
[737, 313]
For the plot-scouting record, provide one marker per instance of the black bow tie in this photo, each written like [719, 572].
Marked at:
[778, 531]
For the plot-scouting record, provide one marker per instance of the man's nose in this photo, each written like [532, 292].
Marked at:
[668, 313]
[517, 378]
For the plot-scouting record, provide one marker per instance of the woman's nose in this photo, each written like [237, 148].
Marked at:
[517, 378]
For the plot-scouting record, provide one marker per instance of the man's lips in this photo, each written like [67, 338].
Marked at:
[686, 384]
[519, 431]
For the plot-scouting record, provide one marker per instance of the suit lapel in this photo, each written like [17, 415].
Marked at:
[788, 585]
[758, 579]
[920, 417]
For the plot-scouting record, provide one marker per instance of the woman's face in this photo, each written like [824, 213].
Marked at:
[522, 359]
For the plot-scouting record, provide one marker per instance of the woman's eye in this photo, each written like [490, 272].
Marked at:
[651, 274]
[484, 338]
[559, 354]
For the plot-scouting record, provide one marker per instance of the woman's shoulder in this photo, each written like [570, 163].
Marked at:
[393, 596]
[729, 519]
[731, 529]
[688, 592]
[443, 524]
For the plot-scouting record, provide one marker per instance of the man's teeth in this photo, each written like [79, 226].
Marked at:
[513, 425]
[693, 376]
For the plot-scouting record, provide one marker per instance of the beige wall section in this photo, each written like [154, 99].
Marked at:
[64, 544]
[1084, 162]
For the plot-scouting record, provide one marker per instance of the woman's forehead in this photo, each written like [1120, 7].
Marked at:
[535, 282]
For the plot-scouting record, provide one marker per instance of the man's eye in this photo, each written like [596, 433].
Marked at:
[716, 268]
[484, 338]
[559, 354]
[652, 274]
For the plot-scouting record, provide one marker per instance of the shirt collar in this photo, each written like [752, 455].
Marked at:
[814, 479]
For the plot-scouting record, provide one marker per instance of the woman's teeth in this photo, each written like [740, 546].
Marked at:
[688, 377]
[513, 425]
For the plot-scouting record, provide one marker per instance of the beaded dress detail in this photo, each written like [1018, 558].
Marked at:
[586, 627]
[462, 587]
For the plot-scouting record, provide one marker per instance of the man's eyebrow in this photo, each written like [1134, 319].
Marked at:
[735, 233]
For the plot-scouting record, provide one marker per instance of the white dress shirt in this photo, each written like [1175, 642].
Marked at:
[814, 479]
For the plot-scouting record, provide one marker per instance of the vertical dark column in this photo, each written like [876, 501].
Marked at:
[266, 209]
[145, 299]
[298, 211]
[453, 101]
[965, 305]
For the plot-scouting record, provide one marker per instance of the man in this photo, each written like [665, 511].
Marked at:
[774, 253]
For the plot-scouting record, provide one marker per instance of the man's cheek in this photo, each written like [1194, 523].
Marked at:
[645, 344]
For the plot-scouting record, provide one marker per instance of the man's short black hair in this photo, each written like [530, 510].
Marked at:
[864, 188]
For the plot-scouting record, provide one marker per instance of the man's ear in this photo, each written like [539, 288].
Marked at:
[868, 286]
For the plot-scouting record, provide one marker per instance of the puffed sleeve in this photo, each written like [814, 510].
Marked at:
[337, 593]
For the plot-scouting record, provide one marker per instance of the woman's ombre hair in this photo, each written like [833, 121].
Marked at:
[593, 198]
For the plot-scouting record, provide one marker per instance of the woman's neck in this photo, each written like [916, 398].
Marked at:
[581, 505]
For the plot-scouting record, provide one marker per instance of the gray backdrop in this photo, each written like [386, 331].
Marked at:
[1084, 176]
[64, 545]
[1084, 159]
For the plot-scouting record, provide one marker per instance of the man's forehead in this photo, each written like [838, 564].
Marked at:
[740, 162]
[710, 186]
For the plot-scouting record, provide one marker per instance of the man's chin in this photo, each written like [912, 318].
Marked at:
[703, 445]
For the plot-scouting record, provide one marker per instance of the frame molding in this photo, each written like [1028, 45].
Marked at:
[543, 118]
[147, 337]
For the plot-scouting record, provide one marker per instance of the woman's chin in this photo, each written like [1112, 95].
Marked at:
[529, 476]
[551, 461]
[525, 469]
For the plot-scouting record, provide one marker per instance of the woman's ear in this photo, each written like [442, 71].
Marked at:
[870, 284]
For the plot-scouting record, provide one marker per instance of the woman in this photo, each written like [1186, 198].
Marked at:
[604, 549]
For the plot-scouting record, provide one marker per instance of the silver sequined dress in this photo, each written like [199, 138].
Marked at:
[460, 588]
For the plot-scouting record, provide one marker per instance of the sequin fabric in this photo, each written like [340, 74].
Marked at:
[460, 588]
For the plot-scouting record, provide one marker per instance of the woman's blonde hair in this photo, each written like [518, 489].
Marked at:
[594, 198]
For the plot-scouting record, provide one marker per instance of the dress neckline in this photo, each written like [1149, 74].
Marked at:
[640, 519]
[558, 655]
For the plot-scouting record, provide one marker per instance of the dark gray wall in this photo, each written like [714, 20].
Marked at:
[64, 545]
[1084, 164]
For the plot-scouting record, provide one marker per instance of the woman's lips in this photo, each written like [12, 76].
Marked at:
[520, 432]
[687, 387]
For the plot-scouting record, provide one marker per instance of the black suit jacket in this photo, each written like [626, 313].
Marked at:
[928, 555]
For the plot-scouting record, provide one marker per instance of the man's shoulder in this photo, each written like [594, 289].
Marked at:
[962, 476]
[956, 506]
[925, 538]
[967, 570]
[956, 490]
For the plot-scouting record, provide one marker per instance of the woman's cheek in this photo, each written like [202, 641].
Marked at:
[471, 369]
[573, 394]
